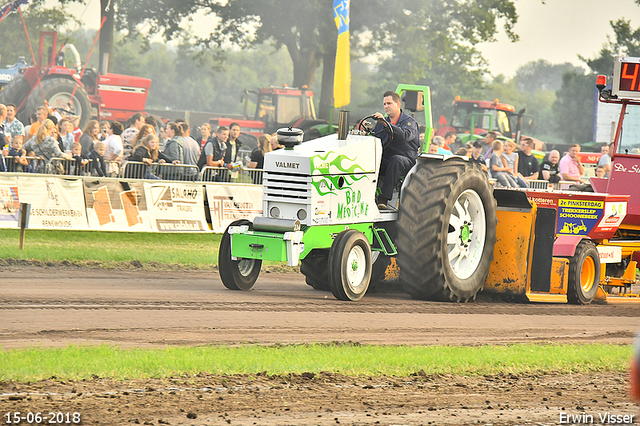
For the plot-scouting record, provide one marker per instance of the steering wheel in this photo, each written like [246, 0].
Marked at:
[368, 124]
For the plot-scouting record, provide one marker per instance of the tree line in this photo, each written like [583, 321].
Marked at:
[259, 43]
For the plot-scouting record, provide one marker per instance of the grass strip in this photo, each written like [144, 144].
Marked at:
[110, 249]
[79, 362]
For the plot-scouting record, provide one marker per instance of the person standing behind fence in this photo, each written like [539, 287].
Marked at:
[18, 153]
[98, 166]
[212, 154]
[257, 155]
[5, 136]
[105, 125]
[43, 146]
[65, 137]
[191, 151]
[12, 125]
[174, 148]
[90, 136]
[205, 135]
[41, 114]
[500, 172]
[146, 151]
[129, 135]
[233, 145]
[114, 149]
[77, 168]
[146, 129]
[75, 127]
[510, 160]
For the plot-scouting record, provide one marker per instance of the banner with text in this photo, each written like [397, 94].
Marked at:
[9, 202]
[56, 203]
[176, 207]
[114, 205]
[228, 202]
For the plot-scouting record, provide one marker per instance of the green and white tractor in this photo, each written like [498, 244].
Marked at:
[319, 209]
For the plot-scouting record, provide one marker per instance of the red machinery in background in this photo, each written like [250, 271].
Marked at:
[73, 90]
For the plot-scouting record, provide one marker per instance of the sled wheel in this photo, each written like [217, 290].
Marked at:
[314, 268]
[350, 265]
[238, 274]
[584, 273]
[446, 230]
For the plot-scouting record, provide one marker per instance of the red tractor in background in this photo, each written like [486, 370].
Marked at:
[73, 91]
[277, 107]
[472, 120]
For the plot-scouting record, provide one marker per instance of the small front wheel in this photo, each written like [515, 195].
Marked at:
[350, 265]
[238, 274]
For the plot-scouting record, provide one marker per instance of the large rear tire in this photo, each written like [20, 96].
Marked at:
[446, 230]
[238, 274]
[14, 93]
[57, 92]
[350, 265]
[314, 268]
[379, 268]
[584, 273]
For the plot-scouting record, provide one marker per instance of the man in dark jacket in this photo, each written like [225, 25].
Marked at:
[400, 146]
[233, 145]
[212, 154]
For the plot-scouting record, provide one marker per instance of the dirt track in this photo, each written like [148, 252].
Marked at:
[53, 307]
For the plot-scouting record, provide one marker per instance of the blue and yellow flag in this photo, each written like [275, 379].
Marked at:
[342, 74]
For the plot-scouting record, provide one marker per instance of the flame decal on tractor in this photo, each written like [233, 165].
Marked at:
[325, 181]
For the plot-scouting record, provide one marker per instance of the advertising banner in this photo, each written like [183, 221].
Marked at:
[114, 205]
[176, 207]
[56, 203]
[228, 203]
[9, 202]
[578, 217]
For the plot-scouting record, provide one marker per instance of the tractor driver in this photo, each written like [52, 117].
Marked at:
[400, 147]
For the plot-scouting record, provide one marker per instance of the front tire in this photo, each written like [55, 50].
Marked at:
[446, 230]
[238, 274]
[314, 268]
[584, 273]
[350, 265]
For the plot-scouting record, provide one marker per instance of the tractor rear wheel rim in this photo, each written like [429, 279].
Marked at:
[587, 274]
[356, 268]
[61, 100]
[245, 266]
[467, 232]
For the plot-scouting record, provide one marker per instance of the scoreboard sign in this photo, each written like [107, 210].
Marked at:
[626, 77]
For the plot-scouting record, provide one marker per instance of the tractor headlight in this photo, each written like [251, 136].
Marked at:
[302, 214]
[274, 212]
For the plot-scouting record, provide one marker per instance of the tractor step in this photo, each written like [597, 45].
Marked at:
[385, 242]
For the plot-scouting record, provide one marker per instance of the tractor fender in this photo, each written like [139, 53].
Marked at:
[425, 157]
[565, 245]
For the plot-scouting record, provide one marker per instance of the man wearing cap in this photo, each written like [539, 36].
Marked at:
[476, 155]
[401, 147]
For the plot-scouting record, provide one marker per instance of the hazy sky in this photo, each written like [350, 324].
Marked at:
[556, 30]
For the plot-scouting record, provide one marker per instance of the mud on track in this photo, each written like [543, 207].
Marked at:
[57, 307]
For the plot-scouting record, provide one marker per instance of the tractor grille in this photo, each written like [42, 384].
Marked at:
[286, 187]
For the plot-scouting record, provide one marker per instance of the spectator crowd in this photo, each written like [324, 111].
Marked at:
[54, 143]
[516, 166]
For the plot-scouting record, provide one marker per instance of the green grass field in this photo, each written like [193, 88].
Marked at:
[74, 362]
[111, 249]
